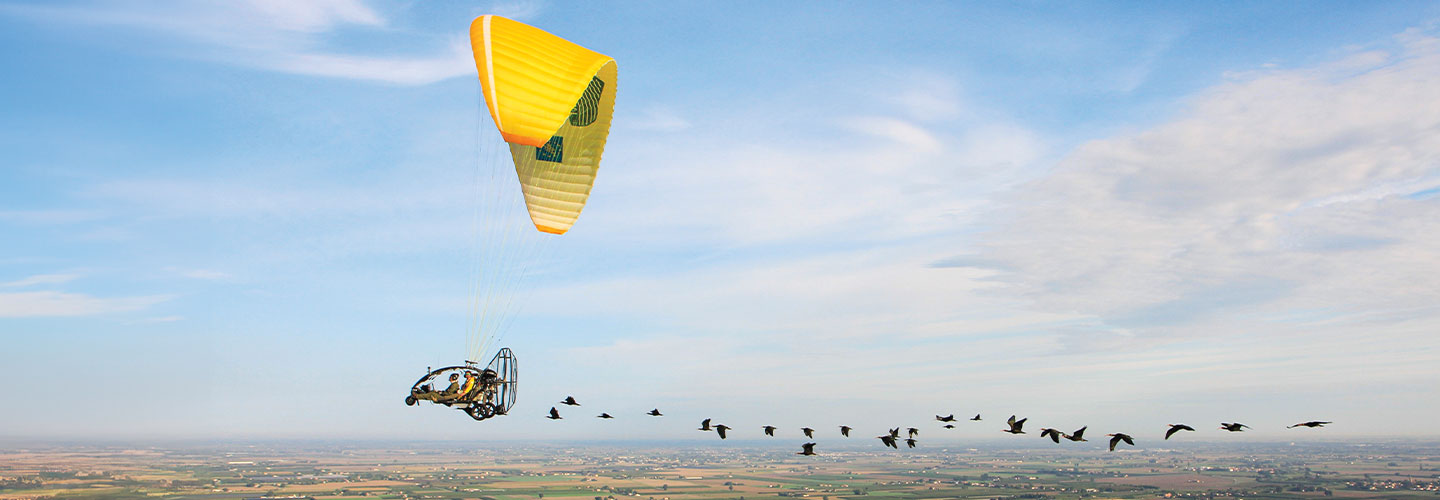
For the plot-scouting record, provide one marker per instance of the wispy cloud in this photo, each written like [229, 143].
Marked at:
[313, 16]
[41, 279]
[1278, 190]
[656, 118]
[50, 304]
[404, 71]
[894, 129]
[869, 177]
[287, 37]
[201, 274]
[926, 97]
[519, 10]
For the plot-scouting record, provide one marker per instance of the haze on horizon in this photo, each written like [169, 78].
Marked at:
[252, 220]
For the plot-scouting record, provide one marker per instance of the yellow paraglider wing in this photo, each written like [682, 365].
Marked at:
[552, 100]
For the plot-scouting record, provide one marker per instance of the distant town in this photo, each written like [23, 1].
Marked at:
[312, 471]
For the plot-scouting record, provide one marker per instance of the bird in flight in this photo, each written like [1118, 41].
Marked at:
[976, 417]
[845, 430]
[655, 413]
[1079, 435]
[910, 442]
[949, 418]
[1117, 438]
[721, 430]
[1174, 428]
[1312, 424]
[1233, 427]
[770, 430]
[949, 426]
[888, 440]
[705, 425]
[554, 414]
[570, 400]
[1015, 425]
[604, 415]
[895, 433]
[1053, 434]
[807, 449]
[809, 433]
[912, 432]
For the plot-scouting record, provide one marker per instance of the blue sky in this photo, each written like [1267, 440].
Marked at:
[253, 219]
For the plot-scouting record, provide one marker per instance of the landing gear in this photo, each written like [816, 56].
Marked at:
[481, 411]
[410, 400]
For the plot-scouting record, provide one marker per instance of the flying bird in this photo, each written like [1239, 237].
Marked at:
[948, 418]
[721, 430]
[808, 449]
[1233, 427]
[809, 433]
[1312, 424]
[705, 425]
[655, 413]
[1117, 438]
[1015, 425]
[895, 433]
[770, 430]
[1174, 428]
[604, 415]
[976, 417]
[910, 442]
[845, 430]
[1079, 435]
[1053, 434]
[912, 431]
[949, 426]
[570, 400]
[888, 440]
[554, 414]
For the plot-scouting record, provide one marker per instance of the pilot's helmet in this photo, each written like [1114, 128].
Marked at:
[454, 376]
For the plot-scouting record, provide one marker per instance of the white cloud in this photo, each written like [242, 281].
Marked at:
[894, 129]
[926, 97]
[859, 295]
[201, 274]
[874, 177]
[247, 199]
[272, 35]
[517, 10]
[1282, 190]
[41, 279]
[656, 118]
[316, 15]
[50, 304]
[403, 71]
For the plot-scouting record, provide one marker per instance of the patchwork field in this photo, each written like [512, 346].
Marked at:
[335, 472]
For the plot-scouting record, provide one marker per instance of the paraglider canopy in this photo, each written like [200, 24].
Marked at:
[552, 101]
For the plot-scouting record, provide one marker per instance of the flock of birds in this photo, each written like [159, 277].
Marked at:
[892, 438]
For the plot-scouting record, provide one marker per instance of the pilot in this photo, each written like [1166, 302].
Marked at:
[454, 388]
[469, 384]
